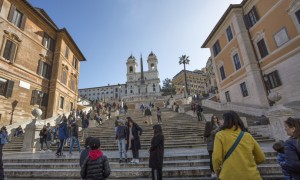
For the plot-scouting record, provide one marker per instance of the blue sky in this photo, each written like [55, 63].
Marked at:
[108, 31]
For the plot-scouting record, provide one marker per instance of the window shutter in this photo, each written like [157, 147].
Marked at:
[49, 72]
[1, 3]
[33, 95]
[247, 21]
[11, 13]
[277, 78]
[44, 40]
[12, 52]
[52, 44]
[9, 89]
[45, 100]
[255, 13]
[22, 26]
[40, 67]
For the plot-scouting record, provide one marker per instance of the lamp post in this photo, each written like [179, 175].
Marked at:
[184, 92]
[13, 105]
[184, 59]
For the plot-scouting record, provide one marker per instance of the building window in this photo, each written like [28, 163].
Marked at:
[244, 89]
[236, 61]
[16, 17]
[71, 106]
[9, 50]
[297, 13]
[130, 69]
[262, 48]
[251, 18]
[38, 99]
[227, 95]
[67, 52]
[72, 84]
[229, 33]
[61, 102]
[44, 69]
[64, 76]
[154, 90]
[216, 48]
[75, 61]
[152, 66]
[6, 87]
[273, 80]
[222, 72]
[48, 42]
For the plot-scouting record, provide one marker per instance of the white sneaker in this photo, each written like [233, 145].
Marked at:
[213, 175]
[137, 161]
[132, 161]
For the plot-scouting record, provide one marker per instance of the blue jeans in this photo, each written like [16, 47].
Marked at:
[73, 139]
[122, 148]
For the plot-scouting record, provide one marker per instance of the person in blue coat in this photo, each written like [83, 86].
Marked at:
[3, 137]
[63, 134]
[292, 148]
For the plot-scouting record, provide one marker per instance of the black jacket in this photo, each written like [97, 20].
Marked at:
[157, 152]
[95, 169]
[74, 130]
[136, 132]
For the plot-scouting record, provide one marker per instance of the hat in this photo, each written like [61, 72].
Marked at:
[121, 121]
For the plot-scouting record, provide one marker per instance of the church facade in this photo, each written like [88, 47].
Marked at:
[139, 83]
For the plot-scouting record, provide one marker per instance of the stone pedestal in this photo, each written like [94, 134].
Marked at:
[28, 143]
[277, 115]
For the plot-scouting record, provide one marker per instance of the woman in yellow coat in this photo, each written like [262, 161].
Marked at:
[242, 162]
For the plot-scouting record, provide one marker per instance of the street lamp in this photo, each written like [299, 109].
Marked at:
[103, 93]
[184, 59]
[183, 92]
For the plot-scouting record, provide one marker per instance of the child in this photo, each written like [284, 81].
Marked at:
[96, 165]
[279, 147]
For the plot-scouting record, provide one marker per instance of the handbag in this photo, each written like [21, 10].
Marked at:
[237, 141]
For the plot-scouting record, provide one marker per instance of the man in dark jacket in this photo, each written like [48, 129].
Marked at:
[74, 137]
[84, 154]
[43, 137]
[199, 111]
[96, 165]
[121, 134]
[62, 136]
[148, 115]
[85, 125]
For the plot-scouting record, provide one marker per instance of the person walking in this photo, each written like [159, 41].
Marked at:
[96, 165]
[148, 115]
[236, 151]
[121, 134]
[158, 112]
[125, 107]
[133, 139]
[74, 137]
[62, 136]
[157, 153]
[85, 125]
[43, 137]
[211, 128]
[199, 111]
[292, 148]
[3, 141]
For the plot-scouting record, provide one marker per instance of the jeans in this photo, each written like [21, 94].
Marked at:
[73, 140]
[159, 119]
[210, 161]
[60, 148]
[199, 115]
[135, 152]
[122, 148]
[84, 133]
[44, 140]
[1, 163]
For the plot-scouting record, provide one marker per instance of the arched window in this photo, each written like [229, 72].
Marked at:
[130, 69]
[152, 66]
[153, 88]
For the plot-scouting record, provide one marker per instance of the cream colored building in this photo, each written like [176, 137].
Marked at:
[39, 64]
[210, 80]
[195, 82]
[255, 49]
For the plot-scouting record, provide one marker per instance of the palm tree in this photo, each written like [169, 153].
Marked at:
[184, 59]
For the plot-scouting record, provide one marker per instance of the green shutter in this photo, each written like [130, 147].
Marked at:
[9, 88]
[12, 52]
[22, 26]
[11, 13]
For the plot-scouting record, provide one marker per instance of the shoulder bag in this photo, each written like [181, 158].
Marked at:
[237, 141]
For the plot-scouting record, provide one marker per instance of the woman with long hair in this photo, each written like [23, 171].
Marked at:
[157, 153]
[236, 151]
[133, 139]
[292, 148]
[211, 128]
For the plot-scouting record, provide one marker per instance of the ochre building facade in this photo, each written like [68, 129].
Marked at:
[39, 64]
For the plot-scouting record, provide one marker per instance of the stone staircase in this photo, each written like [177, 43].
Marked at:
[185, 154]
[15, 144]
